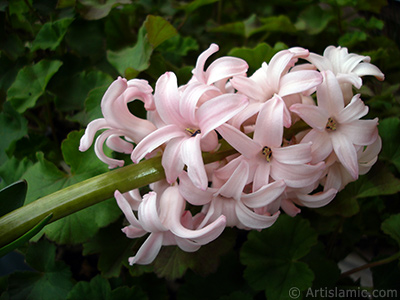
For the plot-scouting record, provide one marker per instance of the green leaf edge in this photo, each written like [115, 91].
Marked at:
[26, 237]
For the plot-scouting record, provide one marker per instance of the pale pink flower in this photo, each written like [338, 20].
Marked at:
[266, 155]
[336, 127]
[229, 199]
[348, 68]
[119, 121]
[188, 129]
[338, 176]
[275, 78]
[219, 71]
[165, 218]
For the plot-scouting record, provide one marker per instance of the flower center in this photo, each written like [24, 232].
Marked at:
[331, 125]
[192, 132]
[267, 152]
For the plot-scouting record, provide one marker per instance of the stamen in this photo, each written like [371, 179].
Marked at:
[331, 125]
[192, 132]
[267, 152]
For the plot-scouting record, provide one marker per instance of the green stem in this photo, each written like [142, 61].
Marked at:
[86, 193]
[372, 264]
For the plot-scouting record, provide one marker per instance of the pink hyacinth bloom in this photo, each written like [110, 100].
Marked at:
[165, 218]
[265, 154]
[119, 121]
[228, 199]
[348, 68]
[338, 176]
[219, 71]
[188, 128]
[275, 78]
[336, 127]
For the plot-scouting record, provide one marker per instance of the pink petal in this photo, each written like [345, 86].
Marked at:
[238, 140]
[313, 115]
[126, 209]
[252, 220]
[295, 154]
[269, 125]
[148, 251]
[361, 132]
[218, 110]
[322, 63]
[317, 200]
[261, 175]
[198, 71]
[110, 96]
[115, 143]
[225, 67]
[251, 87]
[191, 193]
[368, 69]
[346, 153]
[167, 98]
[192, 158]
[249, 111]
[156, 139]
[91, 129]
[355, 110]
[132, 232]
[148, 214]
[98, 149]
[329, 94]
[299, 81]
[172, 160]
[172, 209]
[278, 64]
[321, 144]
[265, 195]
[297, 176]
[233, 188]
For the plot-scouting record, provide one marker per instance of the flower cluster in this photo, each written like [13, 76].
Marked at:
[271, 171]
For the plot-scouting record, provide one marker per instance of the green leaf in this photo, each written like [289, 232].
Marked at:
[172, 262]
[352, 38]
[72, 92]
[18, 169]
[379, 181]
[53, 281]
[314, 19]
[279, 23]
[31, 83]
[131, 61]
[391, 226]
[51, 34]
[259, 54]
[100, 289]
[45, 178]
[272, 257]
[13, 126]
[114, 249]
[158, 30]
[95, 10]
[389, 131]
[193, 5]
[12, 197]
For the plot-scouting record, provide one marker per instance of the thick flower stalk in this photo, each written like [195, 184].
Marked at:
[270, 174]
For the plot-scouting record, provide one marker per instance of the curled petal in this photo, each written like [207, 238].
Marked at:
[225, 67]
[295, 154]
[198, 71]
[368, 69]
[98, 149]
[297, 176]
[355, 110]
[91, 129]
[299, 81]
[191, 193]
[317, 200]
[126, 209]
[313, 115]
[346, 153]
[265, 195]
[233, 188]
[253, 220]
[149, 250]
[148, 214]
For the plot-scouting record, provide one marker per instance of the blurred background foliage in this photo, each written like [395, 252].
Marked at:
[57, 58]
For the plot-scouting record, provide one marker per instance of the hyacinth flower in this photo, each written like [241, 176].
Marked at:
[265, 154]
[119, 121]
[347, 67]
[188, 128]
[336, 127]
[219, 71]
[165, 218]
[275, 78]
[229, 199]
